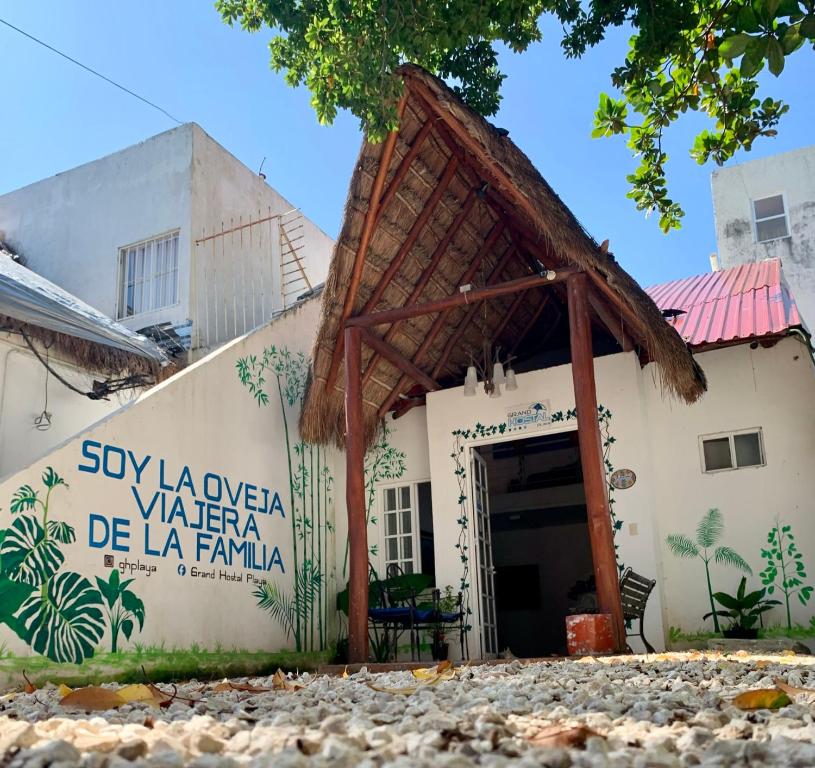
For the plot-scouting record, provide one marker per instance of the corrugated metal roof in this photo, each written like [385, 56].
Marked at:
[750, 301]
[27, 296]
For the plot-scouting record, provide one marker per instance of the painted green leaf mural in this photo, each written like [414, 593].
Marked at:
[65, 621]
[28, 554]
[51, 479]
[12, 596]
[23, 499]
[62, 532]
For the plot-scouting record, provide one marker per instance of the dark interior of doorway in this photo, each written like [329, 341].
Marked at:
[540, 541]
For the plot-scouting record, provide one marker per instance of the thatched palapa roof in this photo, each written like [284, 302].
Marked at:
[449, 199]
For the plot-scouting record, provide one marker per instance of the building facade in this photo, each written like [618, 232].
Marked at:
[173, 237]
[766, 209]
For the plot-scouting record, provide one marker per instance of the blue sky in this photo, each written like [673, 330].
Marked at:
[180, 55]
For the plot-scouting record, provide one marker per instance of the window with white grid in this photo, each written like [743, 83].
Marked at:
[397, 509]
[148, 275]
[770, 218]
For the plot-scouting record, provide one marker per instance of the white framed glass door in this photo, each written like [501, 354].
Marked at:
[484, 568]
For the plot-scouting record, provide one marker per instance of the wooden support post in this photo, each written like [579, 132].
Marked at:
[591, 457]
[355, 499]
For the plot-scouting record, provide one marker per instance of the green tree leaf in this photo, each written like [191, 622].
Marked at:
[734, 46]
[775, 56]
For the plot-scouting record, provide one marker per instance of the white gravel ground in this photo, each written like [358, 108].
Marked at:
[663, 711]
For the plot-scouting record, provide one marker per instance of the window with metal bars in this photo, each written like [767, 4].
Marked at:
[148, 276]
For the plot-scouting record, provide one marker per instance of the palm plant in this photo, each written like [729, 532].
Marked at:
[708, 533]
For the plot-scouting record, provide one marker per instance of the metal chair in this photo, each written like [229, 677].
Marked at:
[634, 593]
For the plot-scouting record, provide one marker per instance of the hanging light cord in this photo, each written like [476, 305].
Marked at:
[43, 421]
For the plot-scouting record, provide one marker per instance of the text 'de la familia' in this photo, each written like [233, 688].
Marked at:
[221, 513]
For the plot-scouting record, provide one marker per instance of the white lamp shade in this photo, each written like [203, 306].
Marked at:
[496, 390]
[470, 382]
[498, 374]
[511, 384]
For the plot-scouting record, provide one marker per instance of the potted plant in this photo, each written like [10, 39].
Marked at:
[743, 610]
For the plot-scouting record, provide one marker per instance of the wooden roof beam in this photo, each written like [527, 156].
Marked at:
[412, 236]
[438, 323]
[615, 325]
[403, 167]
[428, 271]
[399, 361]
[462, 327]
[502, 181]
[364, 242]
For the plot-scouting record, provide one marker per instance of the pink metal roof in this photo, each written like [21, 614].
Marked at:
[745, 302]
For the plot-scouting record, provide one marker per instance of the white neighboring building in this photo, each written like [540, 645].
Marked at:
[173, 236]
[766, 209]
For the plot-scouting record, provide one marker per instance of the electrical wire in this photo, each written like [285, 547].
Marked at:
[92, 71]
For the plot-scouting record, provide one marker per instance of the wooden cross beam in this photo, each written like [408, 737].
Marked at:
[460, 299]
[402, 363]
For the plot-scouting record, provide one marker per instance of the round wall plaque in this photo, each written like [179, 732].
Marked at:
[623, 478]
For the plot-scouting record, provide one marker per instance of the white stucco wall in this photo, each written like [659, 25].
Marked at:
[618, 389]
[69, 227]
[200, 421]
[23, 399]
[793, 175]
[773, 389]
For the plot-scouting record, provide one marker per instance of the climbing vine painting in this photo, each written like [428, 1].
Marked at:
[280, 375]
[58, 613]
[481, 431]
[382, 462]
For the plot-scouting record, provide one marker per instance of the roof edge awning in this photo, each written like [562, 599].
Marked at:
[31, 299]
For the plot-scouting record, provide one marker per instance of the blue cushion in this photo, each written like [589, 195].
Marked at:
[389, 614]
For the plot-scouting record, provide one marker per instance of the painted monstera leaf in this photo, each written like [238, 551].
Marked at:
[61, 532]
[65, 623]
[28, 555]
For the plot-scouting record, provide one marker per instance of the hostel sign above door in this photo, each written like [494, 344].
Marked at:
[529, 416]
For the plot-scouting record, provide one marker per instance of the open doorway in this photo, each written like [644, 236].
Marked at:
[541, 553]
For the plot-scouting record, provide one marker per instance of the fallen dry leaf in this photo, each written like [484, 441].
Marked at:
[763, 664]
[138, 692]
[558, 736]
[762, 698]
[92, 698]
[426, 677]
[281, 683]
[63, 690]
[226, 685]
[345, 671]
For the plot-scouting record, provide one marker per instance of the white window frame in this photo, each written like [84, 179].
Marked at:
[730, 435]
[753, 201]
[414, 521]
[121, 275]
